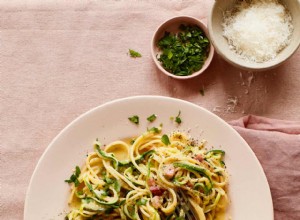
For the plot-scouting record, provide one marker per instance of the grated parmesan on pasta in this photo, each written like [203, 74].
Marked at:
[258, 29]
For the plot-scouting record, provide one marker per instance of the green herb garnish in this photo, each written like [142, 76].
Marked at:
[134, 119]
[165, 139]
[74, 177]
[134, 53]
[185, 52]
[108, 180]
[151, 118]
[80, 193]
[142, 201]
[77, 171]
[132, 141]
[222, 163]
[178, 119]
[87, 200]
[154, 130]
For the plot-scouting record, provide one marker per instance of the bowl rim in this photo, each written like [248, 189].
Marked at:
[246, 65]
[177, 19]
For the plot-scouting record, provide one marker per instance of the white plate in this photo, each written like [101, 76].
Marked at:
[48, 193]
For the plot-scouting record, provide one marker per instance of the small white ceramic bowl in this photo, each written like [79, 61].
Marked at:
[172, 25]
[220, 43]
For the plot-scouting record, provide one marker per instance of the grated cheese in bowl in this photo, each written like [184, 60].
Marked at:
[258, 30]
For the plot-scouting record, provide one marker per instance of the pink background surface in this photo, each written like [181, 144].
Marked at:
[59, 59]
[276, 144]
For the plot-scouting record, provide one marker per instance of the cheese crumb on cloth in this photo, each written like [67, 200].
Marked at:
[258, 29]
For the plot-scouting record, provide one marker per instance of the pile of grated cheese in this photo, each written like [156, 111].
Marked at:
[258, 29]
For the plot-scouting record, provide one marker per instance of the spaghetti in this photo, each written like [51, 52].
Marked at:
[140, 180]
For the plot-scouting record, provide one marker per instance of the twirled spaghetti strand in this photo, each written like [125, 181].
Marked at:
[141, 180]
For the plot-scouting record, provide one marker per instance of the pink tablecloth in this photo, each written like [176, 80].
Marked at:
[59, 58]
[276, 144]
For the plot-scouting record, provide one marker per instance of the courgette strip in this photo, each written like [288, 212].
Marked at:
[194, 168]
[106, 156]
[97, 199]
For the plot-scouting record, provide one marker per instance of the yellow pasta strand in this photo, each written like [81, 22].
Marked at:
[141, 180]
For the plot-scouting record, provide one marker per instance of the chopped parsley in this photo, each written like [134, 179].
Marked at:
[222, 163]
[165, 139]
[185, 52]
[87, 200]
[152, 117]
[142, 201]
[80, 193]
[77, 171]
[74, 177]
[134, 119]
[132, 141]
[108, 180]
[134, 53]
[154, 130]
[178, 119]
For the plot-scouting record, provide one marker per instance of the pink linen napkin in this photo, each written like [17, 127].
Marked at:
[276, 144]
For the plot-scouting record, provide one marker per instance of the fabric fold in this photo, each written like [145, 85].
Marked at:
[276, 143]
[267, 124]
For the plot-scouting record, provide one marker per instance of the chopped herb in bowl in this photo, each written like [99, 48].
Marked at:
[185, 52]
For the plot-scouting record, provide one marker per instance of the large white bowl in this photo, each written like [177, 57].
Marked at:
[47, 194]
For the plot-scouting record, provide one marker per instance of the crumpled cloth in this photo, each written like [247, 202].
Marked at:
[276, 143]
